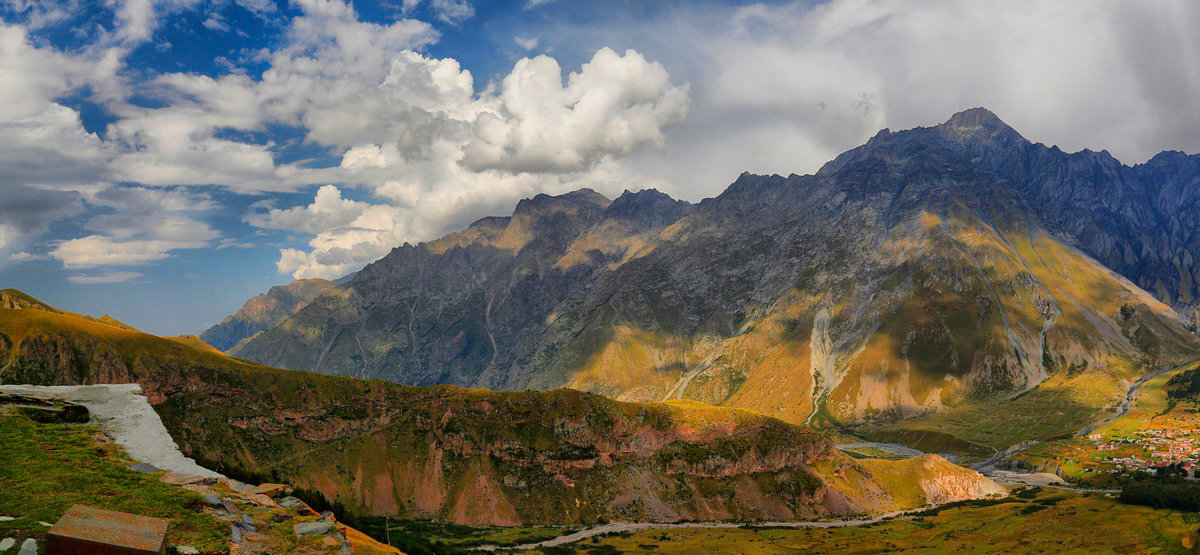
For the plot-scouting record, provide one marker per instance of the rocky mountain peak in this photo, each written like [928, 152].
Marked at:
[975, 117]
[975, 137]
[580, 198]
[970, 136]
[649, 206]
[979, 125]
[641, 196]
[1172, 157]
[555, 218]
[748, 184]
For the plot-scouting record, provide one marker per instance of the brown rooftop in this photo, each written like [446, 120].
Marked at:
[85, 529]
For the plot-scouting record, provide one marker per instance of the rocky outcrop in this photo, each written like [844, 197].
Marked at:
[943, 482]
[11, 299]
[64, 361]
[262, 312]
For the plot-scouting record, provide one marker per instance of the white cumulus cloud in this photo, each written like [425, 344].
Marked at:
[452, 11]
[437, 154]
[785, 87]
[612, 105]
[98, 250]
[140, 225]
[324, 80]
[429, 147]
[327, 211]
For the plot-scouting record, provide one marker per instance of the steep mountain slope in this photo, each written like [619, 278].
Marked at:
[1140, 221]
[439, 311]
[262, 312]
[926, 281]
[475, 456]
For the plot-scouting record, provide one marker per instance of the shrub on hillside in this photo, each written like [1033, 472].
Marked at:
[1162, 495]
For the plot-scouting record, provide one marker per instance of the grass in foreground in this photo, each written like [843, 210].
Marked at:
[47, 468]
[1032, 521]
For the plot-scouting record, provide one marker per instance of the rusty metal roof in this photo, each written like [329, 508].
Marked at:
[89, 524]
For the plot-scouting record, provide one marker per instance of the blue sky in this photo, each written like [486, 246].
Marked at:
[167, 159]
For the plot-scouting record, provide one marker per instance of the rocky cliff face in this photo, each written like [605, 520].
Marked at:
[475, 456]
[262, 312]
[928, 271]
[1137, 220]
[440, 311]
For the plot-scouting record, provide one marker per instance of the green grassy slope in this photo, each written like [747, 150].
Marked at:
[14, 299]
[47, 468]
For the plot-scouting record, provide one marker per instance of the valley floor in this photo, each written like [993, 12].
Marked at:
[1031, 521]
[1153, 431]
[625, 528]
[1059, 407]
[1046, 424]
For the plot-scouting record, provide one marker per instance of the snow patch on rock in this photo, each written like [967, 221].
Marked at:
[125, 415]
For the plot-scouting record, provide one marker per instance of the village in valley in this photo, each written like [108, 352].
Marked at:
[1149, 450]
[1159, 435]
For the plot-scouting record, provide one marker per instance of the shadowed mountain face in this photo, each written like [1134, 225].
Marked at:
[1140, 221]
[262, 312]
[440, 311]
[930, 271]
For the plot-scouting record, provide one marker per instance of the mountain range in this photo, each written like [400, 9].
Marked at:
[956, 288]
[920, 282]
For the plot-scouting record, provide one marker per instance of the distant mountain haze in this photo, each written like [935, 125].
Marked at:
[264, 311]
[923, 273]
